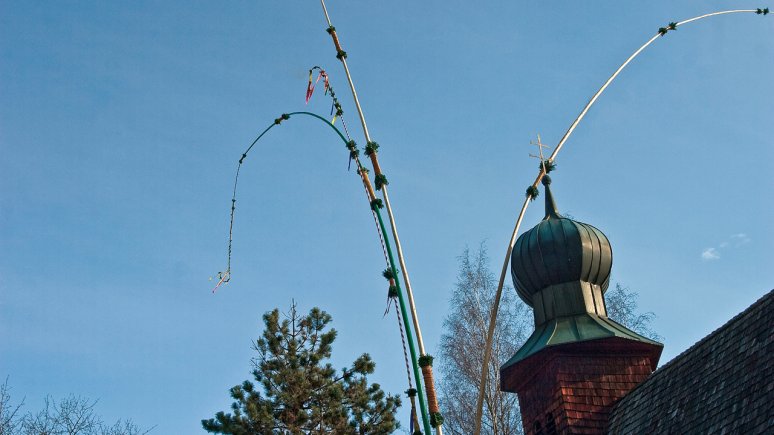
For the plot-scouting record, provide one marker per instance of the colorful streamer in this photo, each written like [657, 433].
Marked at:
[312, 83]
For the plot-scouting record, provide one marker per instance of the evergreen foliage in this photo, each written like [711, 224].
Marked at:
[297, 392]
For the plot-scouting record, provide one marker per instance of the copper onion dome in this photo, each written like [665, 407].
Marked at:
[561, 268]
[559, 250]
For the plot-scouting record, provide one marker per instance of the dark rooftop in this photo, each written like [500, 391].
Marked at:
[724, 384]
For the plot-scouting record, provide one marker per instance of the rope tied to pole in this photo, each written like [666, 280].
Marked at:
[414, 423]
[225, 276]
[426, 364]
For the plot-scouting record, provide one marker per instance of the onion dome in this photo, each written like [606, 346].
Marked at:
[559, 250]
[561, 268]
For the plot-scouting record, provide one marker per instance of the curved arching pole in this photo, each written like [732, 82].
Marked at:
[495, 307]
[371, 150]
[375, 206]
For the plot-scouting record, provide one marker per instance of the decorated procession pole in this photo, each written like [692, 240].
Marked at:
[545, 167]
[380, 182]
[394, 293]
[375, 205]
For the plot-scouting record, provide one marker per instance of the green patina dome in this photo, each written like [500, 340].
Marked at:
[559, 250]
[561, 268]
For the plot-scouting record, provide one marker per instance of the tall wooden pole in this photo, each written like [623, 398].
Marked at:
[429, 383]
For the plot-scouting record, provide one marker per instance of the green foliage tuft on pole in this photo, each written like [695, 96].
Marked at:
[532, 192]
[371, 148]
[550, 165]
[380, 181]
[425, 360]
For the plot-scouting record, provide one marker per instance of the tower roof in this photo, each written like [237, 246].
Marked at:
[561, 268]
[559, 250]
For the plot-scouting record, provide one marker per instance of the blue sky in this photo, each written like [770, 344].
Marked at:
[121, 125]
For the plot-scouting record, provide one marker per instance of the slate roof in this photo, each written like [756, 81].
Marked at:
[724, 384]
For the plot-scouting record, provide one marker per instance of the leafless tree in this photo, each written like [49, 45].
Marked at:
[9, 418]
[622, 305]
[73, 415]
[462, 352]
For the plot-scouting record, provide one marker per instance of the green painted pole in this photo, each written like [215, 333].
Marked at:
[404, 313]
[401, 299]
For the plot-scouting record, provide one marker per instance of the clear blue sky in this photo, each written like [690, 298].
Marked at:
[121, 125]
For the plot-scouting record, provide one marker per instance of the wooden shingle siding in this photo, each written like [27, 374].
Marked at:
[724, 384]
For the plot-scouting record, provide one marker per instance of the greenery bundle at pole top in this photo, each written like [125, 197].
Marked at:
[387, 274]
[378, 203]
[392, 292]
[764, 11]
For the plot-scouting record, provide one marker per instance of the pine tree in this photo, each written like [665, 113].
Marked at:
[298, 393]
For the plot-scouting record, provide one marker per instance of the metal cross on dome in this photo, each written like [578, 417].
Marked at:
[540, 146]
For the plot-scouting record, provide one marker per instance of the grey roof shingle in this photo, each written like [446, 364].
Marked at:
[724, 384]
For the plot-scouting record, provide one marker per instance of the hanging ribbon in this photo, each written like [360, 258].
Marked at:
[312, 83]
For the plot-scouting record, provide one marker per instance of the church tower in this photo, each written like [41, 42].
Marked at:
[577, 363]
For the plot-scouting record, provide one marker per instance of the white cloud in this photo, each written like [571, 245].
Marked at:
[733, 241]
[740, 239]
[710, 254]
